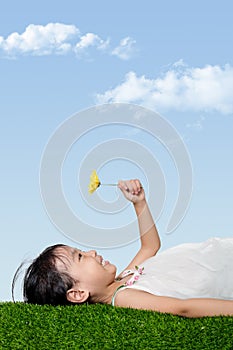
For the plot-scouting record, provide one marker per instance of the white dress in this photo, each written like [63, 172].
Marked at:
[190, 270]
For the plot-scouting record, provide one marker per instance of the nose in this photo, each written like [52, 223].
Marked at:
[92, 253]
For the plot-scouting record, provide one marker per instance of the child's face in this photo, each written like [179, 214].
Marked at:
[87, 268]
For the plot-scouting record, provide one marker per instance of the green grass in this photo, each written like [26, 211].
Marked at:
[104, 327]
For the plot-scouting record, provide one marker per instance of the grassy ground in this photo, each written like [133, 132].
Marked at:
[104, 327]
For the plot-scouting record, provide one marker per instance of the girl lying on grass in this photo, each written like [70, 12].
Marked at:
[191, 280]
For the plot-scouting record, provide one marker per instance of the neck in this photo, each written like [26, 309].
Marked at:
[107, 293]
[106, 296]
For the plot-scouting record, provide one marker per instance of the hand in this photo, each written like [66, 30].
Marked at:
[132, 190]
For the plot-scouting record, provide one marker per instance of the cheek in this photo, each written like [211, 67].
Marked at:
[97, 273]
[92, 271]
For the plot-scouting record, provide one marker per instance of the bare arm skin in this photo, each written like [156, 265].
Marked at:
[150, 244]
[198, 307]
[150, 241]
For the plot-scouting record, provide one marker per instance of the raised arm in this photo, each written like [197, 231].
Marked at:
[150, 241]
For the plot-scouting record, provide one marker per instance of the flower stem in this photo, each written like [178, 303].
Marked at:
[108, 184]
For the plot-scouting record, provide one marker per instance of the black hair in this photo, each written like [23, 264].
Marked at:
[43, 283]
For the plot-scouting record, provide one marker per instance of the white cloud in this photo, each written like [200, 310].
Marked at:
[197, 125]
[180, 88]
[90, 39]
[40, 40]
[58, 39]
[126, 48]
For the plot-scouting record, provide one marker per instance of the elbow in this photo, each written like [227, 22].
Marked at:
[183, 312]
[181, 308]
[159, 246]
[156, 249]
[152, 251]
[185, 309]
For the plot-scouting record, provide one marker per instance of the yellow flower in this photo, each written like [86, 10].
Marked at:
[94, 182]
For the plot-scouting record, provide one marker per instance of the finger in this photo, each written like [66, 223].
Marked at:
[122, 185]
[138, 184]
[133, 187]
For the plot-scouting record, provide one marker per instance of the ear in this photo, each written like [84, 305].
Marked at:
[77, 296]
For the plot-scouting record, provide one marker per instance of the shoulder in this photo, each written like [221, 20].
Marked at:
[137, 299]
[129, 297]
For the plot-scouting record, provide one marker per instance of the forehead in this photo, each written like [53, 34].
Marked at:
[65, 255]
[64, 249]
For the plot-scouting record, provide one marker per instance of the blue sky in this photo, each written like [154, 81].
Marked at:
[57, 59]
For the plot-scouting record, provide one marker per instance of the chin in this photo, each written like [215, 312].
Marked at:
[112, 267]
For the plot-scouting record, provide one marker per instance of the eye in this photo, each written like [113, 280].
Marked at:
[79, 256]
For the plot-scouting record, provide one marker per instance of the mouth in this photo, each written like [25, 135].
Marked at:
[104, 262]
